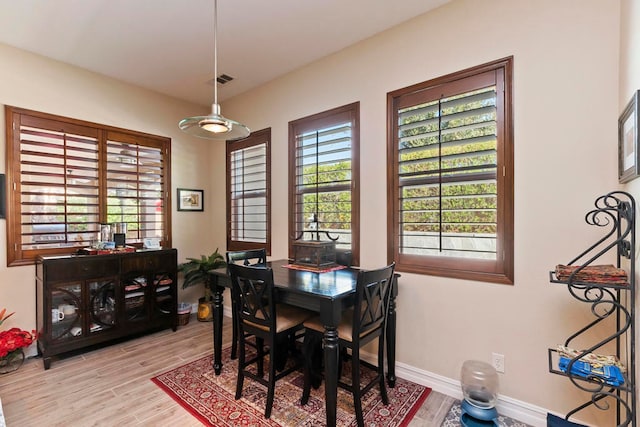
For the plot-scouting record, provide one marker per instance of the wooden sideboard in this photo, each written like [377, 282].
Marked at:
[85, 300]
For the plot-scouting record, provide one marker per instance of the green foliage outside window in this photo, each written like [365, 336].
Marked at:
[334, 207]
[429, 202]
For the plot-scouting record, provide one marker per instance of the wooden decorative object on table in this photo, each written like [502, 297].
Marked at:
[314, 253]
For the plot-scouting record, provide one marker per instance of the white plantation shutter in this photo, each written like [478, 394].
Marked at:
[65, 177]
[135, 186]
[248, 192]
[323, 178]
[58, 187]
[323, 184]
[447, 172]
[451, 202]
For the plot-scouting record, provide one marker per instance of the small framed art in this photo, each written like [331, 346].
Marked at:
[628, 155]
[190, 200]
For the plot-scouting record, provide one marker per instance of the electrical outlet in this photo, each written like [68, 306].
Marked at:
[497, 360]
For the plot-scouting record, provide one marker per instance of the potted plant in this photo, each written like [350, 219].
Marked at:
[196, 271]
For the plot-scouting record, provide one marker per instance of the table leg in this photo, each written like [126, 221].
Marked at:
[391, 342]
[218, 309]
[331, 350]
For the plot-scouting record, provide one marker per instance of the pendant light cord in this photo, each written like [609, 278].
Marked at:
[215, 52]
[214, 126]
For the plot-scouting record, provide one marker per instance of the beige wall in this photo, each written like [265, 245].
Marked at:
[32, 82]
[566, 106]
[629, 82]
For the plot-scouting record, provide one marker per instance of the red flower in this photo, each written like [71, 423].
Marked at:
[14, 339]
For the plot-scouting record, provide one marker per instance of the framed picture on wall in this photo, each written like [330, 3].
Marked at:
[190, 200]
[628, 155]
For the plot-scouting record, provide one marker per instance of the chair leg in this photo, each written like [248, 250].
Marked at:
[383, 389]
[307, 351]
[260, 362]
[241, 366]
[293, 348]
[343, 358]
[281, 353]
[272, 381]
[355, 386]
[234, 327]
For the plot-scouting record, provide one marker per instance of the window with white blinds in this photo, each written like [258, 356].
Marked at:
[248, 192]
[135, 186]
[66, 177]
[323, 168]
[452, 199]
[58, 187]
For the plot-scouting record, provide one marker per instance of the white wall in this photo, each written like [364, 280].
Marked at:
[629, 83]
[32, 82]
[566, 107]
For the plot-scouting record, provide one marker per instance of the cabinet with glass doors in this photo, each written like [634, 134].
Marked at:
[88, 300]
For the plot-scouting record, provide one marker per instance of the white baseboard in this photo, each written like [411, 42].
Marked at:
[516, 409]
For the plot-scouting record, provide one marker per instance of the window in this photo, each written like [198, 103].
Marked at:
[451, 167]
[323, 178]
[249, 192]
[66, 177]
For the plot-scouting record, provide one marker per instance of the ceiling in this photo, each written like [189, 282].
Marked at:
[167, 45]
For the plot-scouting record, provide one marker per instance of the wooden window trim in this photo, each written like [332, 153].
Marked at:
[13, 116]
[350, 113]
[503, 270]
[256, 138]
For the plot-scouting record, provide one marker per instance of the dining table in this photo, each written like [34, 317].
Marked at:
[328, 293]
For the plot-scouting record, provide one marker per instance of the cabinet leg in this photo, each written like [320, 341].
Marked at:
[47, 362]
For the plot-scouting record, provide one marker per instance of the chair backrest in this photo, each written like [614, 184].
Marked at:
[248, 257]
[253, 293]
[373, 293]
[344, 257]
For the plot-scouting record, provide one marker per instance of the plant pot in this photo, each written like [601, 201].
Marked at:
[205, 310]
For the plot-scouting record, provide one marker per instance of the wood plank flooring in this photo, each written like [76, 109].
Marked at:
[111, 386]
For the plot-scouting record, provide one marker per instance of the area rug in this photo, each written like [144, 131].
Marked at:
[453, 418]
[210, 399]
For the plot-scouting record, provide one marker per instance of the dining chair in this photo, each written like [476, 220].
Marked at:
[259, 316]
[344, 257]
[246, 257]
[360, 325]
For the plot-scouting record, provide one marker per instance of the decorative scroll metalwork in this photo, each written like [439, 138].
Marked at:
[615, 213]
[314, 229]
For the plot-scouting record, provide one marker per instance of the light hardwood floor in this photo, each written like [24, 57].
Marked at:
[111, 386]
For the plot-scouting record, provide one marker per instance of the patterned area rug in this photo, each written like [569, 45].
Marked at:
[453, 419]
[210, 398]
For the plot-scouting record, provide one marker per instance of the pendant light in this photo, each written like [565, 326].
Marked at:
[215, 125]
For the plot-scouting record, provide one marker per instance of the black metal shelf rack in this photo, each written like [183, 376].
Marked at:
[615, 212]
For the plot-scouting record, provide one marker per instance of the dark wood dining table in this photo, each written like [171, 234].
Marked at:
[327, 293]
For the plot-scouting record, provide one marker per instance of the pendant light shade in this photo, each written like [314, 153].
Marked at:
[214, 126]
